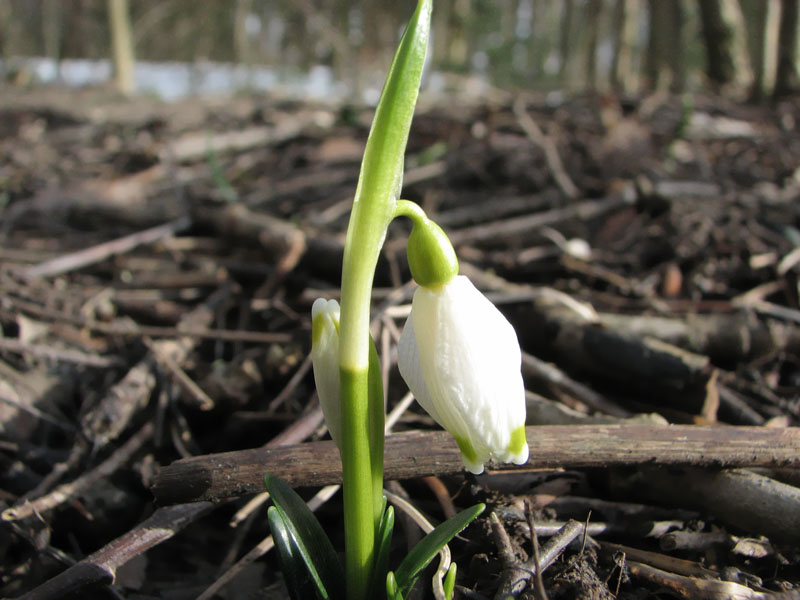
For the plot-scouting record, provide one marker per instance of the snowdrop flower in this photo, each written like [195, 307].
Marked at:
[325, 359]
[461, 359]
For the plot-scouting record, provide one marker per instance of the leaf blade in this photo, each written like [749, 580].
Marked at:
[296, 576]
[312, 543]
[419, 557]
[384, 543]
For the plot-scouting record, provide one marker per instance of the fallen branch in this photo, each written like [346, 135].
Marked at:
[515, 580]
[101, 567]
[417, 454]
[70, 490]
[752, 502]
[100, 252]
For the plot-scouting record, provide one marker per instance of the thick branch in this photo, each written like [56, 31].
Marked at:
[101, 567]
[416, 454]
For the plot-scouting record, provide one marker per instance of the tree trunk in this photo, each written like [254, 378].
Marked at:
[757, 17]
[723, 30]
[459, 44]
[617, 32]
[52, 19]
[664, 66]
[121, 45]
[592, 26]
[567, 17]
[440, 34]
[786, 78]
[717, 39]
[740, 50]
[6, 31]
[241, 38]
[625, 20]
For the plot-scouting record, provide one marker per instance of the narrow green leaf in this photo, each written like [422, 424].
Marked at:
[379, 184]
[377, 417]
[382, 553]
[449, 584]
[428, 547]
[312, 543]
[295, 573]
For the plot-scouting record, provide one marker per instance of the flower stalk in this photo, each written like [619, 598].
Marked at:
[373, 209]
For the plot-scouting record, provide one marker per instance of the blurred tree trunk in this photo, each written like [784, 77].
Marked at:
[565, 36]
[241, 38]
[618, 37]
[121, 45]
[509, 68]
[624, 24]
[6, 30]
[664, 65]
[740, 50]
[757, 12]
[536, 55]
[592, 26]
[274, 33]
[440, 33]
[344, 64]
[51, 32]
[762, 18]
[717, 39]
[458, 46]
[786, 77]
[723, 30]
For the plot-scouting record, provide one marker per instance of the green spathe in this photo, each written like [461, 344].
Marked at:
[431, 256]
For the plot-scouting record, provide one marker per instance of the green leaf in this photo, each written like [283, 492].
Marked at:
[392, 592]
[382, 555]
[408, 571]
[377, 419]
[295, 573]
[449, 584]
[313, 545]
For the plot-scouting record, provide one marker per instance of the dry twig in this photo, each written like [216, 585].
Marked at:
[415, 454]
[101, 566]
[69, 490]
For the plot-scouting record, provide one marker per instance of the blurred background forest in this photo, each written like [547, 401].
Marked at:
[339, 48]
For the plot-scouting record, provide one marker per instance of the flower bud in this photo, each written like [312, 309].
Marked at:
[461, 359]
[325, 359]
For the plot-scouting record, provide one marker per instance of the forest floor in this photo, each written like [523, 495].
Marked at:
[157, 267]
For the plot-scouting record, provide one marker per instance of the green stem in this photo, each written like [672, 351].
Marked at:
[373, 209]
[359, 525]
[406, 208]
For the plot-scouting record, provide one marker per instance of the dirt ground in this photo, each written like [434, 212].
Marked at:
[157, 267]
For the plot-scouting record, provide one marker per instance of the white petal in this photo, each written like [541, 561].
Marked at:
[325, 359]
[411, 369]
[470, 361]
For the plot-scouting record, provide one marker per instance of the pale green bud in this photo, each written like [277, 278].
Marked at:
[325, 359]
[431, 256]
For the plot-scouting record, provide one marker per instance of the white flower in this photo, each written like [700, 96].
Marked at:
[461, 359]
[325, 358]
